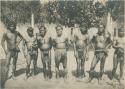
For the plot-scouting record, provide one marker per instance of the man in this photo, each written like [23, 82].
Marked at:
[45, 44]
[30, 50]
[12, 38]
[118, 45]
[101, 42]
[60, 44]
[81, 49]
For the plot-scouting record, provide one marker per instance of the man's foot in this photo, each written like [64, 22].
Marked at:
[83, 75]
[110, 77]
[79, 79]
[78, 74]
[65, 77]
[89, 80]
[46, 78]
[50, 74]
[100, 82]
[114, 80]
[13, 77]
[33, 76]
[57, 75]
[26, 77]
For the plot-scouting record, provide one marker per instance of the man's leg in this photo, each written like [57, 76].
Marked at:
[102, 63]
[8, 58]
[57, 62]
[65, 66]
[49, 66]
[28, 61]
[93, 65]
[44, 64]
[15, 57]
[121, 66]
[82, 67]
[44, 67]
[115, 64]
[35, 64]
[78, 65]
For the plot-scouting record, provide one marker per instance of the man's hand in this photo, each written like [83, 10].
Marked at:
[86, 57]
[6, 52]
[75, 54]
[34, 46]
[25, 56]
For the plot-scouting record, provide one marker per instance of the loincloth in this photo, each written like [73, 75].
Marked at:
[100, 55]
[32, 52]
[80, 53]
[101, 51]
[14, 50]
[46, 55]
[60, 55]
[120, 54]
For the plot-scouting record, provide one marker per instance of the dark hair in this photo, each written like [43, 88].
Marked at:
[83, 25]
[101, 25]
[11, 24]
[59, 27]
[42, 27]
[29, 28]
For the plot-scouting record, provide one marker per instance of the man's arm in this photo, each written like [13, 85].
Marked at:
[108, 41]
[87, 47]
[115, 43]
[74, 46]
[35, 43]
[3, 43]
[19, 35]
[93, 41]
[67, 43]
[54, 43]
[21, 38]
[24, 48]
[51, 42]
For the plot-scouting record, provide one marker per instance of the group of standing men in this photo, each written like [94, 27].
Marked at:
[81, 43]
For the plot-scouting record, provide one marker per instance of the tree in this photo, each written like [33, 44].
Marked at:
[19, 11]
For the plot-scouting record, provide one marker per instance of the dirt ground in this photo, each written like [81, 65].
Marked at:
[38, 82]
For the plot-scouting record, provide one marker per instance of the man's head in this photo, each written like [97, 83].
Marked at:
[101, 29]
[42, 30]
[11, 26]
[121, 32]
[59, 30]
[83, 29]
[30, 31]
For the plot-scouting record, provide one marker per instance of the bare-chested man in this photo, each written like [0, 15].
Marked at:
[12, 38]
[101, 42]
[60, 44]
[30, 49]
[118, 45]
[45, 44]
[81, 50]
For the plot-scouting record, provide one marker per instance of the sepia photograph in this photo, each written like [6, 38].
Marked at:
[62, 44]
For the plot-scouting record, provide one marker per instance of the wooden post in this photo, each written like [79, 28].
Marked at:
[32, 20]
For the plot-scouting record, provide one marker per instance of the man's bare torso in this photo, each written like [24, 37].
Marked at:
[100, 42]
[44, 42]
[30, 41]
[80, 41]
[11, 39]
[60, 42]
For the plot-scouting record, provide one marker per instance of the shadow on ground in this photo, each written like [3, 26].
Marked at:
[109, 74]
